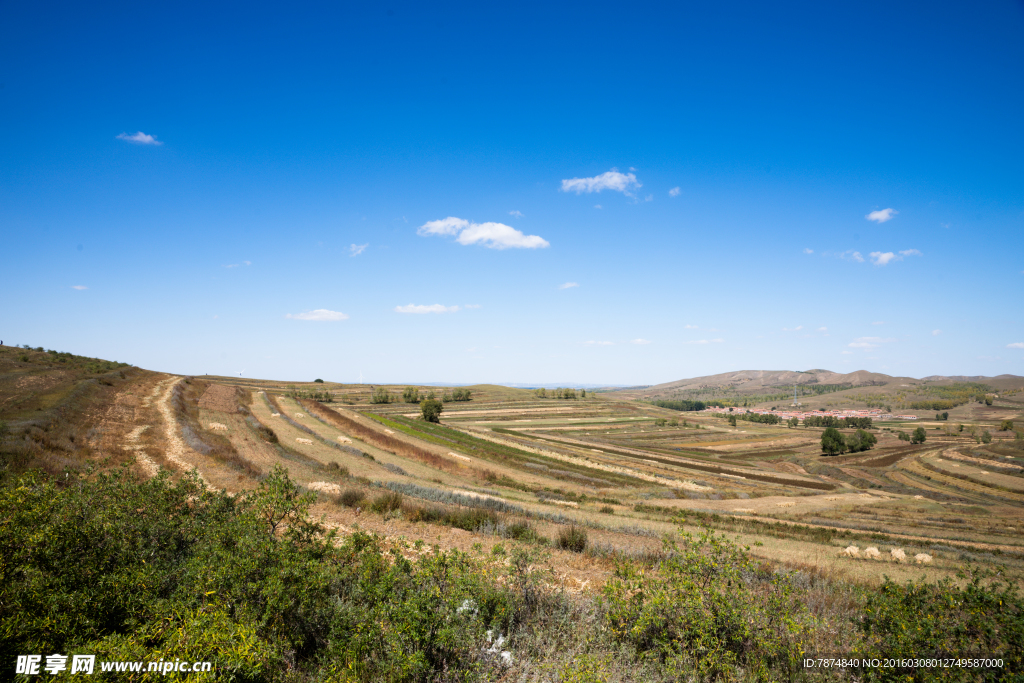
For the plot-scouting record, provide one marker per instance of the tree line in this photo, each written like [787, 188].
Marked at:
[841, 422]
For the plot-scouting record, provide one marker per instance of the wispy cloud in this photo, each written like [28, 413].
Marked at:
[706, 341]
[568, 285]
[882, 216]
[598, 206]
[881, 258]
[420, 308]
[851, 255]
[878, 322]
[79, 287]
[793, 329]
[139, 138]
[808, 251]
[869, 342]
[239, 265]
[491, 235]
[649, 198]
[822, 329]
[640, 341]
[691, 327]
[357, 249]
[936, 333]
[674, 192]
[610, 180]
[517, 214]
[1015, 345]
[320, 314]
[599, 343]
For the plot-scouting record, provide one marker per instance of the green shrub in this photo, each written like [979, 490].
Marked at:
[351, 497]
[387, 502]
[572, 538]
[983, 617]
[142, 570]
[411, 395]
[710, 609]
[608, 510]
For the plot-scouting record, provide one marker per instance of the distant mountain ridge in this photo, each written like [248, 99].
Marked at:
[758, 381]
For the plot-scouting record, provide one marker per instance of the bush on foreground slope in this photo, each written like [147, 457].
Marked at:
[145, 570]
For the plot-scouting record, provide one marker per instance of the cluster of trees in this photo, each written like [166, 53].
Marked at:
[682, 404]
[754, 417]
[321, 396]
[834, 442]
[411, 395]
[941, 416]
[381, 395]
[457, 395]
[1006, 426]
[560, 393]
[934, 405]
[917, 437]
[843, 422]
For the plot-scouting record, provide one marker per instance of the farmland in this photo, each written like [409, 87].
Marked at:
[509, 469]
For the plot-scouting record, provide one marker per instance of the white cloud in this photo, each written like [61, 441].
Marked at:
[1015, 345]
[808, 251]
[822, 329]
[139, 138]
[599, 343]
[691, 327]
[706, 341]
[357, 249]
[79, 287]
[640, 341]
[649, 198]
[869, 342]
[568, 285]
[239, 265]
[445, 226]
[674, 192]
[880, 258]
[878, 322]
[881, 216]
[851, 255]
[936, 333]
[491, 235]
[610, 180]
[517, 214]
[598, 206]
[320, 314]
[420, 308]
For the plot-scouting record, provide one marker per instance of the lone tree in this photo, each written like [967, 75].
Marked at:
[918, 436]
[832, 441]
[431, 409]
[1006, 426]
[793, 421]
[318, 381]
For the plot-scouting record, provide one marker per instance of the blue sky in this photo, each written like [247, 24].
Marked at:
[637, 194]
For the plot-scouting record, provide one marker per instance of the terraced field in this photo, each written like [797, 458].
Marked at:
[621, 470]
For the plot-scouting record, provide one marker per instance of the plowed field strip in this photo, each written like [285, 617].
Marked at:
[953, 482]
